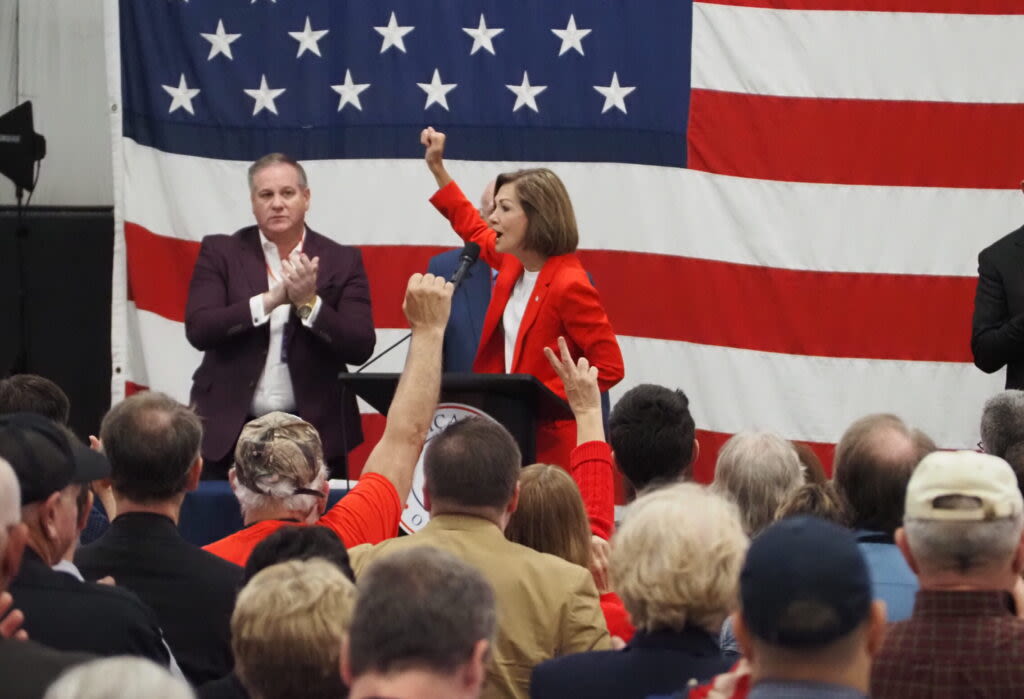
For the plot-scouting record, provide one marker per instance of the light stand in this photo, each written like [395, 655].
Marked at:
[21, 150]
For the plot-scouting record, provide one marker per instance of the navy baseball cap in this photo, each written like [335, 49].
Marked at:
[45, 458]
[804, 584]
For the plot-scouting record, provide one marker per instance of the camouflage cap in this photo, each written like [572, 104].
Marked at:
[279, 449]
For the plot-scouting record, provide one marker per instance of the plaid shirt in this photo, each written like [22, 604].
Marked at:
[956, 644]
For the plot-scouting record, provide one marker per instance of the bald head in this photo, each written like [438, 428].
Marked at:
[873, 463]
[10, 497]
[12, 535]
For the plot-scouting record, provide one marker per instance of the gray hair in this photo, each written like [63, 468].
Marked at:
[277, 159]
[280, 494]
[120, 677]
[757, 470]
[1002, 422]
[10, 498]
[963, 547]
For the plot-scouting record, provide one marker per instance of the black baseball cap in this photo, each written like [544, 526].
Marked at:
[804, 584]
[44, 458]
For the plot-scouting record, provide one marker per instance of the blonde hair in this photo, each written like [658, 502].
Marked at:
[550, 517]
[287, 627]
[551, 222]
[676, 558]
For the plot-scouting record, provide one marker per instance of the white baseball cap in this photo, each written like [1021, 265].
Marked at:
[982, 477]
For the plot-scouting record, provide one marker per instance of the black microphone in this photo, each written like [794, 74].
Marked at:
[469, 256]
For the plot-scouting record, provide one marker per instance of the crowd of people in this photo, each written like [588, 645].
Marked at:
[898, 577]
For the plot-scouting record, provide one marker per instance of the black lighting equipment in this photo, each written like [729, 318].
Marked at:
[20, 148]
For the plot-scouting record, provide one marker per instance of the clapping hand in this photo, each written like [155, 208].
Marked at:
[300, 278]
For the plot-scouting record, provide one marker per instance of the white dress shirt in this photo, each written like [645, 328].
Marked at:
[515, 309]
[274, 389]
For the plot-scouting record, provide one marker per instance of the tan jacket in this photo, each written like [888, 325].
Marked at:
[547, 607]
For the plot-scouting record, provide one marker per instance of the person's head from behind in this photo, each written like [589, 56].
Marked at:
[153, 443]
[963, 522]
[873, 462]
[652, 433]
[473, 467]
[29, 393]
[806, 610]
[12, 531]
[817, 499]
[52, 469]
[279, 467]
[119, 677]
[287, 629]
[1002, 429]
[533, 214]
[299, 544]
[421, 615]
[550, 516]
[1002, 422]
[675, 559]
[758, 470]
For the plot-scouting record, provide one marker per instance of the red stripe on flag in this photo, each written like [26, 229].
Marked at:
[846, 141]
[965, 7]
[831, 314]
[159, 271]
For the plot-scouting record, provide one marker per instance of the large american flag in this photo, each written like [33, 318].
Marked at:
[780, 201]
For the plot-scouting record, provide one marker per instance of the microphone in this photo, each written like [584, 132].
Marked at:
[467, 257]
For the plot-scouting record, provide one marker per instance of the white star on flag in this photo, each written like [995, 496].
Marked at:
[349, 92]
[264, 97]
[308, 39]
[436, 91]
[614, 94]
[393, 35]
[572, 38]
[220, 43]
[526, 94]
[482, 37]
[182, 95]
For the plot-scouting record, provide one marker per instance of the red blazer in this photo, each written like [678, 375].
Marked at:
[564, 303]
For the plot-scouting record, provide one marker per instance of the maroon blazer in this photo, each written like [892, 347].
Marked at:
[230, 270]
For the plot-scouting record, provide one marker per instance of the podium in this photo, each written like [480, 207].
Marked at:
[517, 401]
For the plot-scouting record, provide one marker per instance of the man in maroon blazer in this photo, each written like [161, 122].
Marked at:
[278, 311]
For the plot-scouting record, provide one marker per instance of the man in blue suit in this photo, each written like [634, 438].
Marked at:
[469, 305]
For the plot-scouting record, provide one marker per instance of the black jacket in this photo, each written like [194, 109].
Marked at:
[192, 591]
[997, 333]
[67, 614]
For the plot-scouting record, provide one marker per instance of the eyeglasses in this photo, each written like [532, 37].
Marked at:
[981, 447]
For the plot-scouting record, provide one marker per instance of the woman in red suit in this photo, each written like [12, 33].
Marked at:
[541, 292]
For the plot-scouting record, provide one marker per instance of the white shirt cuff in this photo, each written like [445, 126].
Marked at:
[311, 318]
[256, 311]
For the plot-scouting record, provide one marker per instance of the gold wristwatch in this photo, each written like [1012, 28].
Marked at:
[305, 309]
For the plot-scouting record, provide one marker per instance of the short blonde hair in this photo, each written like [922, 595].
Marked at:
[287, 627]
[551, 222]
[758, 470]
[676, 558]
[550, 517]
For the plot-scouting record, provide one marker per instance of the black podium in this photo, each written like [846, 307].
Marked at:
[517, 401]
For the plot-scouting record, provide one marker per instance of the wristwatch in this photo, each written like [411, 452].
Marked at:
[305, 309]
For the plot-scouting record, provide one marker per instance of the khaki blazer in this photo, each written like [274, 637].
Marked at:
[547, 607]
